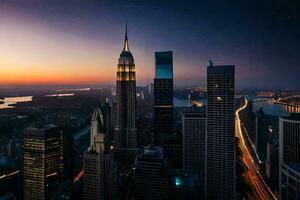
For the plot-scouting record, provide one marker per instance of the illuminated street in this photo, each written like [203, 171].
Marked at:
[260, 188]
[10, 175]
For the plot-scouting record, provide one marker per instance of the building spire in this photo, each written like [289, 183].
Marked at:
[126, 46]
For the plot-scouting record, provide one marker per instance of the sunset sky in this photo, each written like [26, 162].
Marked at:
[75, 42]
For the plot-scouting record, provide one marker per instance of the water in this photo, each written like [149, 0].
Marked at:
[70, 89]
[10, 102]
[270, 108]
[187, 103]
[60, 95]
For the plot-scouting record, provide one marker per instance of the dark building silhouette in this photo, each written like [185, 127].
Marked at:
[107, 119]
[43, 162]
[262, 134]
[68, 162]
[184, 185]
[220, 169]
[173, 150]
[272, 161]
[151, 180]
[289, 157]
[194, 132]
[10, 179]
[163, 95]
[125, 130]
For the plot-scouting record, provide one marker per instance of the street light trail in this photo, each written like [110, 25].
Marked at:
[260, 189]
[9, 175]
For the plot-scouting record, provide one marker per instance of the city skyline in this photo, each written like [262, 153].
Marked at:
[66, 43]
[203, 101]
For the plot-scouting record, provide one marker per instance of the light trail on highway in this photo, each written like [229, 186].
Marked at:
[260, 189]
[9, 175]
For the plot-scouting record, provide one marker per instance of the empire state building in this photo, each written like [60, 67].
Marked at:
[125, 130]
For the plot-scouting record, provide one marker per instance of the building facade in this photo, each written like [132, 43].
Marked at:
[220, 138]
[43, 162]
[125, 135]
[93, 161]
[151, 180]
[289, 157]
[194, 131]
[163, 95]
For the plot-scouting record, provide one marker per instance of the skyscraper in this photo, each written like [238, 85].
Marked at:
[151, 180]
[43, 164]
[125, 130]
[194, 131]
[93, 162]
[289, 157]
[220, 138]
[163, 95]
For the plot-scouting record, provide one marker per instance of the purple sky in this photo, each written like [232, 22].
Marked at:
[80, 41]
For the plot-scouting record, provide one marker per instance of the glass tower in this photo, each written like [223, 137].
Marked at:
[220, 138]
[289, 157]
[43, 162]
[163, 95]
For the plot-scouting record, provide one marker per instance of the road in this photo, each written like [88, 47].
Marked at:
[259, 186]
[9, 175]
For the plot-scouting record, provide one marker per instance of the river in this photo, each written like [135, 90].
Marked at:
[9, 102]
[187, 103]
[271, 108]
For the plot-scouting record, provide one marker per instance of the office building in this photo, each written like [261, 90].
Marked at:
[93, 161]
[173, 150]
[163, 95]
[151, 180]
[125, 135]
[220, 138]
[194, 131]
[289, 157]
[43, 162]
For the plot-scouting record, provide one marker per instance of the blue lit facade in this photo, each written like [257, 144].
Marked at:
[164, 65]
[163, 95]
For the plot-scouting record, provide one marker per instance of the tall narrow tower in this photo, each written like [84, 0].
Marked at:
[95, 178]
[163, 96]
[125, 130]
[220, 138]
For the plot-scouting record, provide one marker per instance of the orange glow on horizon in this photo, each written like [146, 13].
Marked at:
[47, 76]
